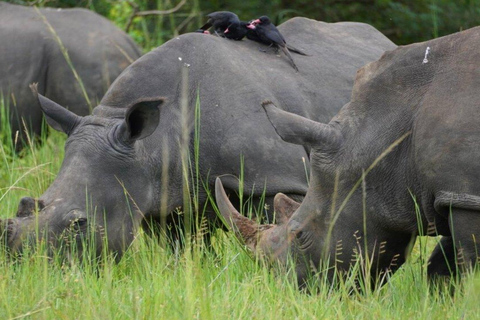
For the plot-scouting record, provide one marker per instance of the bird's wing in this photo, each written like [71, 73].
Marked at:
[206, 26]
[223, 15]
[274, 35]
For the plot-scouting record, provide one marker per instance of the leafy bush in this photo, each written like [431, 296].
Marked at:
[402, 21]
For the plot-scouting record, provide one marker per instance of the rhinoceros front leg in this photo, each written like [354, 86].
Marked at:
[465, 229]
[441, 264]
[458, 252]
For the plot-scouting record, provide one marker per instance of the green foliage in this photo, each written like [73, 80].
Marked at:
[401, 20]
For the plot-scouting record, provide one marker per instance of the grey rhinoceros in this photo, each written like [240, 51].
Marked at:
[29, 52]
[125, 159]
[412, 131]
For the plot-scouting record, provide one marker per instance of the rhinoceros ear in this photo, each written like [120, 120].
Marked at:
[57, 116]
[141, 120]
[299, 130]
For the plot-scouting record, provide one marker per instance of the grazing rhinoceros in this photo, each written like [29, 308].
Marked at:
[412, 128]
[29, 52]
[125, 159]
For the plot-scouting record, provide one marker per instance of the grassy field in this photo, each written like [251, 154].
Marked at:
[152, 282]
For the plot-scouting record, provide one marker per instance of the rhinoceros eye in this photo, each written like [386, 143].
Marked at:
[79, 224]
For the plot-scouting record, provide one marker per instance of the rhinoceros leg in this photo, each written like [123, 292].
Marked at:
[442, 261]
[465, 229]
[442, 270]
[460, 252]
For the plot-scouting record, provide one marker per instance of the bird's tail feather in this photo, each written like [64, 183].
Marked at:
[289, 56]
[206, 26]
[293, 49]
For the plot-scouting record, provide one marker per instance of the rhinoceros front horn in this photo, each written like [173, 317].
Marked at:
[244, 228]
[57, 116]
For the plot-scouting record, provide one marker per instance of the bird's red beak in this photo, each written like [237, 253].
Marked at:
[251, 26]
[255, 22]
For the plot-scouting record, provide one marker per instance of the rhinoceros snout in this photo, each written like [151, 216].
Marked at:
[28, 206]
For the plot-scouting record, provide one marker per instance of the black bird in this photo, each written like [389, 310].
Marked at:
[267, 33]
[252, 35]
[237, 30]
[226, 24]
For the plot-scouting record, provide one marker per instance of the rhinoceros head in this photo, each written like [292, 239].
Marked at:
[331, 226]
[299, 230]
[103, 185]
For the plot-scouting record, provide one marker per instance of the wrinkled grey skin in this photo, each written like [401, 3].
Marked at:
[29, 53]
[434, 107]
[132, 138]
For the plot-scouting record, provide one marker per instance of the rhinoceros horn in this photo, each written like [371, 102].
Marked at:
[299, 130]
[244, 228]
[57, 116]
[284, 207]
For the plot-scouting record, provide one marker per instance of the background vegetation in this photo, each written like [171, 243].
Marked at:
[403, 21]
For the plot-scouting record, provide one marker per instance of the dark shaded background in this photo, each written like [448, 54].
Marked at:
[402, 21]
